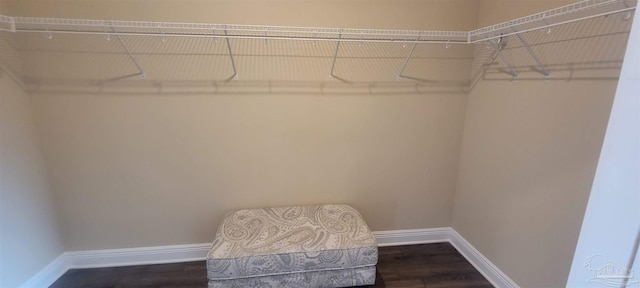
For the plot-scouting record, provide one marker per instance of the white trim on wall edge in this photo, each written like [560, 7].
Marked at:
[48, 274]
[480, 262]
[196, 252]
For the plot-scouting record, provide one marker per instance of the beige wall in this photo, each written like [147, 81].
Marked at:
[496, 11]
[383, 14]
[29, 230]
[141, 170]
[527, 164]
[528, 157]
[136, 170]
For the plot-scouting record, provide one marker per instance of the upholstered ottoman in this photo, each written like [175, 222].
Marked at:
[308, 246]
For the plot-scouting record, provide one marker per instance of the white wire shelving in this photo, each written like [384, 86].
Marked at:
[487, 41]
[566, 14]
[233, 31]
[559, 16]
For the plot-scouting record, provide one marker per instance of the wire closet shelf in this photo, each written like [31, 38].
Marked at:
[483, 49]
[562, 15]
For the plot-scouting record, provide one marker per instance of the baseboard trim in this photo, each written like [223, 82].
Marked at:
[480, 262]
[49, 274]
[137, 256]
[197, 252]
[412, 236]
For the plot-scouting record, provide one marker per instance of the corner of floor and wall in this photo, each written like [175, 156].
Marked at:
[508, 181]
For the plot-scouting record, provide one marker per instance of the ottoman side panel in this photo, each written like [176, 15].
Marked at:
[270, 241]
[311, 279]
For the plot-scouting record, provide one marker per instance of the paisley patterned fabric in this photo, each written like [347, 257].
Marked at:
[314, 279]
[323, 244]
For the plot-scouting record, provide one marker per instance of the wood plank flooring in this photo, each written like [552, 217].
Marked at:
[427, 265]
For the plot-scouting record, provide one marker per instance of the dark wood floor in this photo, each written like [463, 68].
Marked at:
[427, 265]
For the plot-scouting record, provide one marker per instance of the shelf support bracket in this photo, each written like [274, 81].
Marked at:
[406, 61]
[335, 56]
[233, 62]
[133, 59]
[542, 69]
[513, 73]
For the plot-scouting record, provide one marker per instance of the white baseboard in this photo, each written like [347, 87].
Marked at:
[49, 274]
[412, 236]
[195, 252]
[116, 257]
[137, 256]
[480, 262]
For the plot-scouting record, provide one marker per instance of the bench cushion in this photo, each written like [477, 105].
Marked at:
[287, 240]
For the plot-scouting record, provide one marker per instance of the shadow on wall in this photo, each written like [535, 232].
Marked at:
[591, 49]
[94, 63]
[245, 88]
